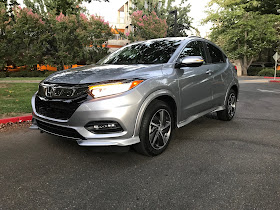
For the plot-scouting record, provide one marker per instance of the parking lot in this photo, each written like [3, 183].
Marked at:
[210, 164]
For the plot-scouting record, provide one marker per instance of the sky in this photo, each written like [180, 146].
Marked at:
[108, 10]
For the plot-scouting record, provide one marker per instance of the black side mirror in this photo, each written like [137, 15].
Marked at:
[190, 61]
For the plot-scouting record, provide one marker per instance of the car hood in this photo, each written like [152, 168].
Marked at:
[93, 74]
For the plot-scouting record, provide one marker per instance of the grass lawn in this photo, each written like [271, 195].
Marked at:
[15, 98]
[22, 78]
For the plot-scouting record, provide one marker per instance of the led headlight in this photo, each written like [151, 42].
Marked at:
[97, 91]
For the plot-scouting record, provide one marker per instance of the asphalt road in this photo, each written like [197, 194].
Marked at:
[210, 164]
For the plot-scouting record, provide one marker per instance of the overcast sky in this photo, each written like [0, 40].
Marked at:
[109, 11]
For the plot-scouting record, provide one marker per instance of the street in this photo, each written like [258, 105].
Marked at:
[209, 164]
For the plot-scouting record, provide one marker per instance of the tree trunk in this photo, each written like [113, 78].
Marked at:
[244, 64]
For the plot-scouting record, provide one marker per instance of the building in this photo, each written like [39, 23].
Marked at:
[123, 25]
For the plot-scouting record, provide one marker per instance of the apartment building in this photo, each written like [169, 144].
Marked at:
[123, 24]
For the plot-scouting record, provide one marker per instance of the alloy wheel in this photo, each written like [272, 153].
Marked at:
[231, 104]
[160, 129]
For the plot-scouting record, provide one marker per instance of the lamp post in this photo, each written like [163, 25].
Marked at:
[175, 21]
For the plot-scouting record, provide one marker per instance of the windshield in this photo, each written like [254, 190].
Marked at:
[150, 52]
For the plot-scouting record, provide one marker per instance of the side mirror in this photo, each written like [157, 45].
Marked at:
[190, 61]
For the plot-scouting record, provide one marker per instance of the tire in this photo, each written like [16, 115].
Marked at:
[228, 113]
[156, 129]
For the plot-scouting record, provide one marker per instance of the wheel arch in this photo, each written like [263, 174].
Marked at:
[162, 95]
[235, 88]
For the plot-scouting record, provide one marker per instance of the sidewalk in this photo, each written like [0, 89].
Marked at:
[20, 81]
[257, 79]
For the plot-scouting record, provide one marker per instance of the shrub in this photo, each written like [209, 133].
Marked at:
[26, 74]
[253, 71]
[2, 74]
[268, 72]
[48, 73]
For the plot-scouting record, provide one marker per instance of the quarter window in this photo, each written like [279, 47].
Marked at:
[216, 55]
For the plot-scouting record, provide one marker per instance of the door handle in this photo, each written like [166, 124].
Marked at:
[209, 71]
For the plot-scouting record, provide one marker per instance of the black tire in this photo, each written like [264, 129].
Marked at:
[230, 107]
[156, 129]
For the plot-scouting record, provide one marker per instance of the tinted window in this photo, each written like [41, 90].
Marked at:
[150, 52]
[216, 55]
[193, 49]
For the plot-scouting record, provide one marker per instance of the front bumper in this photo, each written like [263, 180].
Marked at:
[122, 109]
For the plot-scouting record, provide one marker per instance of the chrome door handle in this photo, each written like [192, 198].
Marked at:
[209, 71]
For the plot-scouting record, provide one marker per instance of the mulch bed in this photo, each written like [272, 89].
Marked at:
[12, 126]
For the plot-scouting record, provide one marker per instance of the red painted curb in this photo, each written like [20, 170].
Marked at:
[16, 119]
[271, 77]
[276, 81]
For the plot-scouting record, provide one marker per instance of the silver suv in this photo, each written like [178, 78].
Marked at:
[138, 94]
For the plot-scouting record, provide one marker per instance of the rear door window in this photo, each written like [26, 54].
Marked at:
[216, 55]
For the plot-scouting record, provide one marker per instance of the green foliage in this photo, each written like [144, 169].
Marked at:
[243, 34]
[25, 38]
[4, 22]
[264, 6]
[253, 71]
[32, 38]
[183, 20]
[2, 74]
[66, 7]
[268, 72]
[25, 73]
[162, 11]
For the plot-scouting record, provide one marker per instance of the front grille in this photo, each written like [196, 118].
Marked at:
[59, 130]
[57, 109]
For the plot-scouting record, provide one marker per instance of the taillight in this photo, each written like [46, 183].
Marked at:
[235, 68]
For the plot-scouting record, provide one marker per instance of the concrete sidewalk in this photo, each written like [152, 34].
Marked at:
[20, 81]
[255, 79]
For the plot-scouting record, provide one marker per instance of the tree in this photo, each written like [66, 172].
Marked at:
[25, 37]
[163, 9]
[66, 7]
[264, 6]
[147, 26]
[74, 39]
[243, 34]
[4, 22]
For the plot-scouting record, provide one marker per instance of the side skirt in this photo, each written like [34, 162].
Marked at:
[194, 117]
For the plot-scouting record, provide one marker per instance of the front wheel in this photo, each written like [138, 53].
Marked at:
[230, 109]
[156, 129]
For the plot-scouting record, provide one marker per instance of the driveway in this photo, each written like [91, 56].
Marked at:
[210, 164]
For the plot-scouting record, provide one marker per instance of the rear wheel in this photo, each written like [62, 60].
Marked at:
[156, 129]
[230, 109]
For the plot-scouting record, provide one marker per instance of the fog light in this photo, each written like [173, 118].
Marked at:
[103, 127]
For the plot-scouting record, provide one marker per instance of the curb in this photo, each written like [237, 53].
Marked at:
[275, 81]
[16, 119]
[272, 77]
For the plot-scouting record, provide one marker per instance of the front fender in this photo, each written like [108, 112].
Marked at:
[145, 104]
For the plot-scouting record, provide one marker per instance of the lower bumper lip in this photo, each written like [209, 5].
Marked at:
[108, 141]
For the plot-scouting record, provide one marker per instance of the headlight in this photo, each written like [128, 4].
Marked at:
[97, 91]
